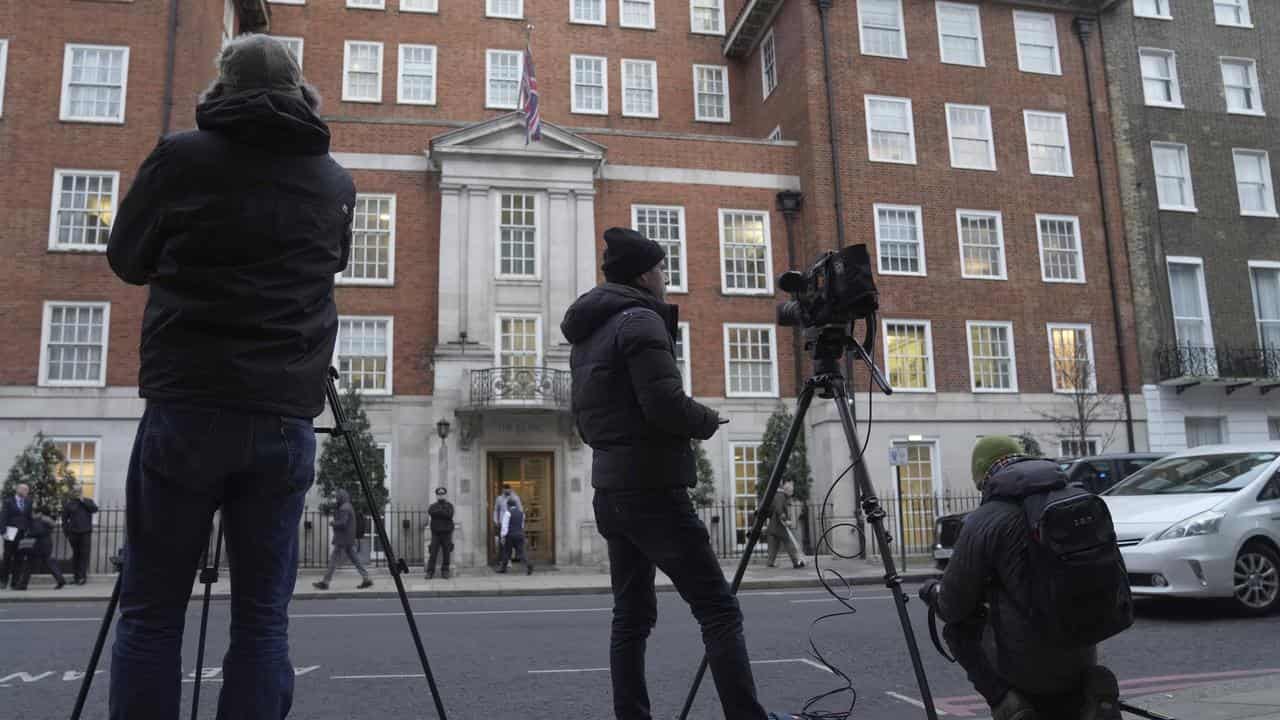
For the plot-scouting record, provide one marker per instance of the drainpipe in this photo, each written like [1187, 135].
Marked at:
[790, 203]
[166, 116]
[1084, 27]
[824, 7]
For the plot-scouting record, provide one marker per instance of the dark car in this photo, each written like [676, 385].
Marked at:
[1095, 473]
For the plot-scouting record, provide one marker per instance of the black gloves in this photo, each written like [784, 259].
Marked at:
[929, 592]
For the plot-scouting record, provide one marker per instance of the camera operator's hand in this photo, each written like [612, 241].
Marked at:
[929, 592]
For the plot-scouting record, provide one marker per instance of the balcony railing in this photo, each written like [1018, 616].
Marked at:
[521, 386]
[1220, 362]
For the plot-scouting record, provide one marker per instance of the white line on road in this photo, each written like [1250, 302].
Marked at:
[568, 670]
[425, 613]
[818, 665]
[912, 701]
[375, 677]
[855, 597]
[779, 661]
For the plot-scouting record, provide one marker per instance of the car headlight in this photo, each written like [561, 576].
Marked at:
[1206, 523]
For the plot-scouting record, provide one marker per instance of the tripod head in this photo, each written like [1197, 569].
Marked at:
[827, 345]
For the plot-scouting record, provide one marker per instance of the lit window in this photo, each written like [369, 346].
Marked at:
[1037, 37]
[637, 14]
[1232, 13]
[423, 6]
[73, 345]
[706, 16]
[981, 244]
[908, 355]
[1071, 358]
[881, 29]
[80, 459]
[502, 72]
[746, 479]
[1240, 85]
[363, 354]
[417, 81]
[84, 204]
[899, 240]
[1160, 85]
[640, 88]
[746, 253]
[1061, 259]
[1253, 182]
[519, 341]
[590, 85]
[665, 226]
[590, 12]
[682, 357]
[362, 80]
[1265, 278]
[768, 64]
[517, 236]
[373, 242]
[1152, 9]
[294, 45]
[972, 145]
[891, 133]
[1191, 322]
[94, 83]
[1048, 144]
[960, 34]
[504, 8]
[711, 93]
[1173, 177]
[992, 366]
[751, 361]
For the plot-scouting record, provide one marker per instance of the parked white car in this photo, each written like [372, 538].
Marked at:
[1204, 523]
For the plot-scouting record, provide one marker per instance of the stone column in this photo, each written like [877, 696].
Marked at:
[452, 295]
[558, 276]
[479, 244]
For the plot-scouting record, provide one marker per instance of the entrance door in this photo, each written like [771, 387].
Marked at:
[531, 476]
[917, 496]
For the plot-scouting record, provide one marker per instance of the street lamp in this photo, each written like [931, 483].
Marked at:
[442, 428]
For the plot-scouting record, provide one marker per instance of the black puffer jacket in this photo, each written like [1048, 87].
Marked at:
[628, 400]
[989, 564]
[239, 228]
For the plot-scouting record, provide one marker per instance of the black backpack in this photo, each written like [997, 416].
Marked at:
[1079, 586]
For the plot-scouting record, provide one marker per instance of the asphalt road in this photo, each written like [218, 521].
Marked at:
[544, 657]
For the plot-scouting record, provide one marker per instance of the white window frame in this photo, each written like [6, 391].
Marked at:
[1013, 356]
[686, 356]
[768, 81]
[1094, 440]
[902, 33]
[1185, 156]
[433, 5]
[1204, 296]
[497, 336]
[374, 4]
[488, 11]
[287, 2]
[990, 138]
[1168, 11]
[1057, 50]
[622, 72]
[346, 70]
[45, 327]
[391, 351]
[1004, 262]
[390, 280]
[1175, 85]
[919, 213]
[64, 104]
[489, 103]
[976, 11]
[693, 28]
[573, 85]
[1075, 222]
[1053, 358]
[1253, 287]
[683, 285]
[728, 106]
[911, 127]
[4, 64]
[1255, 84]
[96, 442]
[928, 348]
[287, 40]
[1246, 14]
[773, 354]
[750, 504]
[653, 16]
[58, 174]
[537, 236]
[775, 135]
[435, 73]
[1066, 141]
[604, 14]
[768, 254]
[1267, 181]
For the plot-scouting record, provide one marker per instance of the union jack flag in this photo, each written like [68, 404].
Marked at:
[529, 100]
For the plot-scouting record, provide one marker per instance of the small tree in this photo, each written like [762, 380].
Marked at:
[1030, 445]
[337, 471]
[704, 493]
[1088, 413]
[797, 470]
[43, 467]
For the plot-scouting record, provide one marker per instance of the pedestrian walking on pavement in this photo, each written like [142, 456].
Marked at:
[77, 525]
[779, 534]
[15, 519]
[35, 549]
[505, 496]
[441, 527]
[344, 542]
[513, 548]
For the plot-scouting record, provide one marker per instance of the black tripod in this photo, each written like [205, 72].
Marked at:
[828, 345]
[209, 575]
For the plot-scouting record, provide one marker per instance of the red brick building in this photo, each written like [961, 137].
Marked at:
[966, 162]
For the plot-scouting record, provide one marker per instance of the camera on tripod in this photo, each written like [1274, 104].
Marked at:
[836, 290]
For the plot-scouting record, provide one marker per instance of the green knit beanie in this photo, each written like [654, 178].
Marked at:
[987, 451]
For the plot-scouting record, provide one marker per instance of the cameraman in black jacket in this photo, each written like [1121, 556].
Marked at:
[630, 407]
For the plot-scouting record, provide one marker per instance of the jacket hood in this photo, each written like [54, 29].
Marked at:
[269, 119]
[342, 497]
[601, 303]
[1023, 479]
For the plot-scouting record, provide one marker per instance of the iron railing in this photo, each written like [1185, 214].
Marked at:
[1197, 361]
[533, 386]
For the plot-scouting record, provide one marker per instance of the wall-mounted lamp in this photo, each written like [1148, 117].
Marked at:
[442, 428]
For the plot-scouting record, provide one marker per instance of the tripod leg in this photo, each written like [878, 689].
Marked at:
[208, 576]
[871, 504]
[757, 526]
[87, 681]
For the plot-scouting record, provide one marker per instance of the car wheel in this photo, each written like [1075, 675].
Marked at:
[1256, 579]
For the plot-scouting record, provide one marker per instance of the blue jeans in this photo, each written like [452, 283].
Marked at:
[187, 462]
[648, 528]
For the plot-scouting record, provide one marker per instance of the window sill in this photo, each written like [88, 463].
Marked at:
[892, 162]
[1069, 393]
[1248, 26]
[1154, 17]
[419, 12]
[1049, 174]
[706, 33]
[589, 23]
[416, 103]
[1260, 214]
[653, 116]
[896, 273]
[92, 121]
[362, 101]
[361, 7]
[649, 28]
[79, 249]
[979, 169]
[503, 17]
[595, 113]
[717, 121]
[1247, 113]
[1060, 281]
[1172, 208]
[518, 280]
[1054, 73]
[998, 278]
[1166, 106]
[81, 385]
[984, 391]
[487, 106]
[746, 293]
[749, 396]
[914, 391]
[882, 55]
[364, 283]
[982, 64]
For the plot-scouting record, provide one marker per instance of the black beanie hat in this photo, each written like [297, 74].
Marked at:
[628, 255]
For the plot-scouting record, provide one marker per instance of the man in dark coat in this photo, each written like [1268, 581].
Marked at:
[77, 525]
[630, 407]
[1007, 661]
[344, 542]
[16, 513]
[513, 547]
[441, 525]
[779, 534]
[36, 550]
[238, 228]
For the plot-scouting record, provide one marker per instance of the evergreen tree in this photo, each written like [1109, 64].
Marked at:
[797, 470]
[337, 471]
[42, 466]
[704, 493]
[1030, 445]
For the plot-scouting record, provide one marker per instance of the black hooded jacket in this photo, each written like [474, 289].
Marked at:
[989, 564]
[628, 400]
[239, 228]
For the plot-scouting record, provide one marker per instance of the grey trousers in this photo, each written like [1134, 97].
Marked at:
[350, 552]
[775, 541]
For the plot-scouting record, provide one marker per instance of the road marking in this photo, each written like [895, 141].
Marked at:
[374, 677]
[49, 620]
[818, 665]
[568, 670]
[855, 597]
[434, 613]
[779, 661]
[912, 701]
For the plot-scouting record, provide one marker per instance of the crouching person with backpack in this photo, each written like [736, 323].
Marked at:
[1035, 582]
